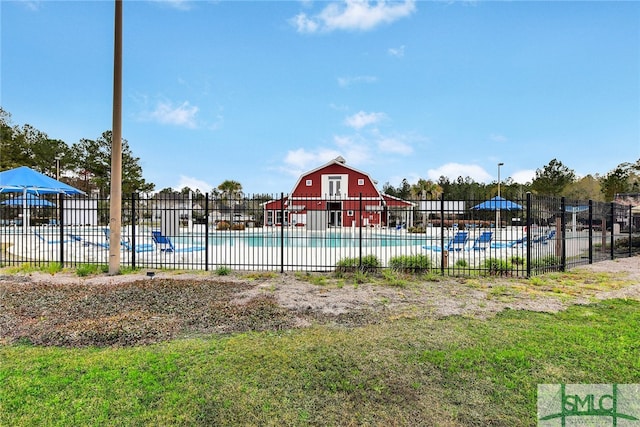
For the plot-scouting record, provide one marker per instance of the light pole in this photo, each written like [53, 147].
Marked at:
[498, 205]
[58, 157]
[115, 204]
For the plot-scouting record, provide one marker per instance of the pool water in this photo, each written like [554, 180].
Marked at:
[308, 240]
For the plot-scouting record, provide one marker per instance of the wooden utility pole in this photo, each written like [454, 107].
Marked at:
[115, 211]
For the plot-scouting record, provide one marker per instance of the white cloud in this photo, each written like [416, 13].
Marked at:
[398, 52]
[181, 115]
[348, 81]
[496, 137]
[194, 184]
[362, 119]
[359, 15]
[454, 170]
[32, 5]
[354, 149]
[303, 24]
[176, 4]
[394, 146]
[524, 176]
[301, 160]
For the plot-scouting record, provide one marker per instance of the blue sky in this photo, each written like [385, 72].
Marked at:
[262, 91]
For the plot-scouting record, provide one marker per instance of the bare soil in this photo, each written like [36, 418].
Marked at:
[134, 309]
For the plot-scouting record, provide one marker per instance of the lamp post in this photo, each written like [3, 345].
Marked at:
[498, 206]
[58, 157]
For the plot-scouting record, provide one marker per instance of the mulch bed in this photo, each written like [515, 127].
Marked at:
[134, 313]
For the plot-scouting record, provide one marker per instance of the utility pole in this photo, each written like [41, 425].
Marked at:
[498, 204]
[115, 211]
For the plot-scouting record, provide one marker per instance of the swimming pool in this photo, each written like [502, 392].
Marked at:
[307, 239]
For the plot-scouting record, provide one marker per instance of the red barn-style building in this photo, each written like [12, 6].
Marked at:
[337, 195]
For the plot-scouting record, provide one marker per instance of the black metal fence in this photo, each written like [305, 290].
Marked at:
[455, 237]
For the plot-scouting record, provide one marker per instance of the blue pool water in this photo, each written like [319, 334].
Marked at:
[308, 240]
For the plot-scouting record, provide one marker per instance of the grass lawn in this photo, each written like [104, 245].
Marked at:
[407, 371]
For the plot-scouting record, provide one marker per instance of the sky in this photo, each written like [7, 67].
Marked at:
[261, 91]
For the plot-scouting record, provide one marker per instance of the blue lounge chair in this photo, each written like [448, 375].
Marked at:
[456, 243]
[483, 242]
[48, 241]
[143, 247]
[85, 242]
[166, 245]
[510, 243]
[544, 239]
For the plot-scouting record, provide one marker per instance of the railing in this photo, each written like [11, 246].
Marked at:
[537, 234]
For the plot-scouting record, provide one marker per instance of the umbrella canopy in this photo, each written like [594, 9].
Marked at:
[26, 180]
[576, 209]
[497, 203]
[32, 200]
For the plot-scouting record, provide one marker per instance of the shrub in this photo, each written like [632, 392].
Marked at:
[222, 225]
[369, 263]
[223, 270]
[461, 263]
[497, 266]
[623, 243]
[88, 269]
[416, 229]
[548, 261]
[237, 226]
[414, 263]
[52, 268]
[517, 260]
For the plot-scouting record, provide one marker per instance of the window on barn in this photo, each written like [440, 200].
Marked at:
[335, 186]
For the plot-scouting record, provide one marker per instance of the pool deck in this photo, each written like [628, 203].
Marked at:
[235, 248]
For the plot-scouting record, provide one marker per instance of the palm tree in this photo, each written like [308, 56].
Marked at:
[423, 189]
[231, 190]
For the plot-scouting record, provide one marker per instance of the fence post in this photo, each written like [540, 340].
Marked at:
[590, 231]
[443, 258]
[563, 230]
[133, 230]
[206, 232]
[630, 243]
[612, 238]
[360, 215]
[528, 236]
[281, 232]
[60, 222]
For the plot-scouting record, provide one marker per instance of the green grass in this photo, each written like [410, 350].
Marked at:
[223, 270]
[84, 270]
[452, 371]
[27, 268]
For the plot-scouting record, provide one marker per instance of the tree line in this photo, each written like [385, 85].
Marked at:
[554, 179]
[87, 165]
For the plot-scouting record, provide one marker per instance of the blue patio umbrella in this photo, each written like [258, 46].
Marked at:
[497, 203]
[28, 181]
[31, 201]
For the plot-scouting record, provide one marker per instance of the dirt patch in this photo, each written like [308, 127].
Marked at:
[134, 309]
